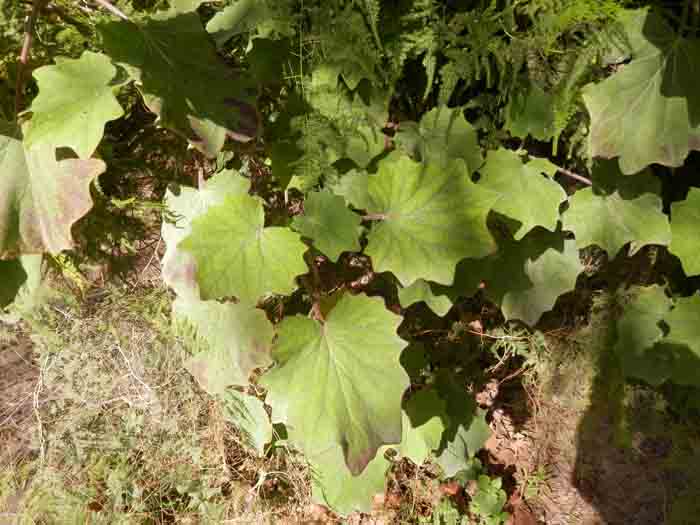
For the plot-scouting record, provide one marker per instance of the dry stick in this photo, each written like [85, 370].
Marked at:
[24, 54]
[112, 9]
[575, 176]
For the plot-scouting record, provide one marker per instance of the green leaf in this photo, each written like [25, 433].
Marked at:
[421, 290]
[685, 230]
[531, 112]
[332, 226]
[237, 256]
[238, 340]
[12, 277]
[340, 383]
[442, 135]
[182, 79]
[41, 198]
[649, 111]
[616, 211]
[521, 185]
[539, 268]
[178, 266]
[683, 341]
[424, 421]
[638, 333]
[336, 487]
[69, 113]
[248, 415]
[463, 443]
[430, 217]
[240, 17]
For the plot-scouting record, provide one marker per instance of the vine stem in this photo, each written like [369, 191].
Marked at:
[29, 24]
[575, 176]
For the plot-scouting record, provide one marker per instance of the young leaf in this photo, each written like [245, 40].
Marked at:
[340, 383]
[421, 290]
[335, 486]
[531, 112]
[524, 278]
[182, 79]
[521, 185]
[179, 266]
[237, 256]
[41, 198]
[618, 211]
[329, 223]
[238, 339]
[424, 421]
[685, 229]
[248, 415]
[431, 216]
[73, 113]
[649, 111]
[638, 333]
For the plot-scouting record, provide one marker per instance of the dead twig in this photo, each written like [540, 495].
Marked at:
[29, 23]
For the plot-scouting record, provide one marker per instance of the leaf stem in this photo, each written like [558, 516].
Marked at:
[29, 24]
[575, 176]
[113, 9]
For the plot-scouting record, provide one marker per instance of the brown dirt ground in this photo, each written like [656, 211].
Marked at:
[18, 378]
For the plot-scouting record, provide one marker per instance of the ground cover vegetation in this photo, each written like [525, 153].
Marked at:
[312, 261]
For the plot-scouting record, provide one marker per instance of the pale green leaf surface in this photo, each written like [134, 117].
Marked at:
[247, 413]
[41, 198]
[442, 135]
[432, 216]
[69, 113]
[617, 210]
[538, 269]
[336, 487]
[649, 111]
[424, 421]
[525, 194]
[683, 341]
[638, 333]
[237, 256]
[179, 266]
[238, 340]
[333, 228]
[341, 382]
[685, 232]
[182, 79]
[353, 186]
[421, 290]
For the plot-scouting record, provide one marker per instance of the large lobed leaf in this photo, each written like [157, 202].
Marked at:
[524, 278]
[429, 218]
[179, 267]
[69, 113]
[236, 255]
[40, 198]
[649, 111]
[340, 383]
[181, 78]
[526, 191]
[238, 340]
[618, 210]
[685, 230]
